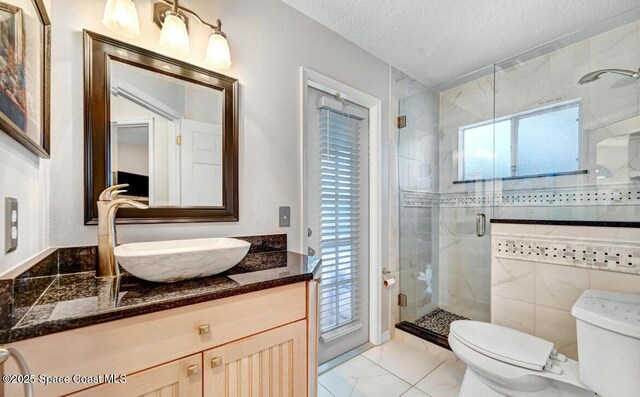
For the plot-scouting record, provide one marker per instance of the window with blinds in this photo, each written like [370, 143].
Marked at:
[340, 191]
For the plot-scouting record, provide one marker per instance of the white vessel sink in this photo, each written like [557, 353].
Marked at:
[167, 261]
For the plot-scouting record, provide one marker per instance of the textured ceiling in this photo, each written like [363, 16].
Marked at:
[436, 41]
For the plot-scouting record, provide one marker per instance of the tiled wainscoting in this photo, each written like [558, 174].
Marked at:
[539, 271]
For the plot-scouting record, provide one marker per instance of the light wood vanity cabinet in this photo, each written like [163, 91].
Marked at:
[272, 363]
[259, 343]
[180, 378]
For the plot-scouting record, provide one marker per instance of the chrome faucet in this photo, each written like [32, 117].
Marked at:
[108, 205]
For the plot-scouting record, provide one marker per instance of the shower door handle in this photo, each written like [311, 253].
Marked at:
[481, 224]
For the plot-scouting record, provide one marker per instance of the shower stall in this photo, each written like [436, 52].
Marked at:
[551, 134]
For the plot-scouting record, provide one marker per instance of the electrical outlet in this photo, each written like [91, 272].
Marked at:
[285, 216]
[10, 224]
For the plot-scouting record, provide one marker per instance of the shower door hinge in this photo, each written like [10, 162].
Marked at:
[179, 140]
[402, 121]
[402, 300]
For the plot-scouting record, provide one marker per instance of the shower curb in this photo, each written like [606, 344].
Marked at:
[422, 333]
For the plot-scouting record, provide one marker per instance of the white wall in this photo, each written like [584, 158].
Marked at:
[269, 42]
[133, 159]
[24, 176]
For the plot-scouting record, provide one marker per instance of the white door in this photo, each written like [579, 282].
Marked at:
[200, 160]
[337, 202]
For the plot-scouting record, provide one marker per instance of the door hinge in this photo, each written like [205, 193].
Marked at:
[179, 140]
[402, 121]
[402, 300]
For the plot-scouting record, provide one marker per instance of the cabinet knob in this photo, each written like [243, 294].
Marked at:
[204, 329]
[216, 362]
[193, 369]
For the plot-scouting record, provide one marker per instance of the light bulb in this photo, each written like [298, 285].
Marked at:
[121, 17]
[218, 54]
[174, 37]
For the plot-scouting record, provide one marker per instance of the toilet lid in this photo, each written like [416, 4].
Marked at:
[612, 311]
[503, 344]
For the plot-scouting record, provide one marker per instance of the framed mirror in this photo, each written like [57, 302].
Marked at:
[25, 65]
[167, 128]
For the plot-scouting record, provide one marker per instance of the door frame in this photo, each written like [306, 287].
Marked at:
[150, 123]
[311, 78]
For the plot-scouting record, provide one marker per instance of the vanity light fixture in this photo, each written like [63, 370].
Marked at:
[174, 36]
[218, 54]
[121, 17]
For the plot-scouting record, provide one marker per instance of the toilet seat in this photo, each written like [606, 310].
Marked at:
[523, 374]
[504, 344]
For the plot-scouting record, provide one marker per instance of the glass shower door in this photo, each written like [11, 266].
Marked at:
[446, 200]
[418, 181]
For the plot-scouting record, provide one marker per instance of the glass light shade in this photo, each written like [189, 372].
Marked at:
[121, 17]
[174, 37]
[218, 55]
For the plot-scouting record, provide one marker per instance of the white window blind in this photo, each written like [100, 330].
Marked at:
[340, 192]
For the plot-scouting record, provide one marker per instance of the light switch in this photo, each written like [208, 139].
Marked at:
[10, 224]
[285, 216]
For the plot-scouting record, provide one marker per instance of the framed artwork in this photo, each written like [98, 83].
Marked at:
[25, 38]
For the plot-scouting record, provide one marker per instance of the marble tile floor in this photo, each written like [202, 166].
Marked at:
[405, 366]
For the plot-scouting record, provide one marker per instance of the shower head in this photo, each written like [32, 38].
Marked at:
[593, 76]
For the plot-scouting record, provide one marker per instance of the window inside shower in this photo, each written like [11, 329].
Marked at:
[534, 143]
[520, 139]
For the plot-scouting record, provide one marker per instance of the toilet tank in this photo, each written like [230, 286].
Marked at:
[608, 327]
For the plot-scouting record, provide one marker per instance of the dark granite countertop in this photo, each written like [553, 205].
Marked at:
[77, 300]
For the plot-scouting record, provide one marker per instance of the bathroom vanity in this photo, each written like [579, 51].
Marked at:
[251, 328]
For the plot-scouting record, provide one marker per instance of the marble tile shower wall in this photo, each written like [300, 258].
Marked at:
[533, 289]
[418, 170]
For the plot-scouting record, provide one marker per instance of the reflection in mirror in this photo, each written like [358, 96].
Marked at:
[165, 138]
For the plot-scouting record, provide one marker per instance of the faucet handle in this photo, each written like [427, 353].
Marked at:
[124, 202]
[115, 193]
[109, 193]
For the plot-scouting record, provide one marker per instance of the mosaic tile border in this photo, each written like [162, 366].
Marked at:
[419, 199]
[623, 194]
[601, 255]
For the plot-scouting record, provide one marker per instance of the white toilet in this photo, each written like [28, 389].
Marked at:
[505, 362]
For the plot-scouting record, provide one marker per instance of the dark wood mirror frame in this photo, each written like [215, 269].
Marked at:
[98, 51]
[41, 147]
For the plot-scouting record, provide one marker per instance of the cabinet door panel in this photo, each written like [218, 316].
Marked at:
[180, 378]
[272, 363]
